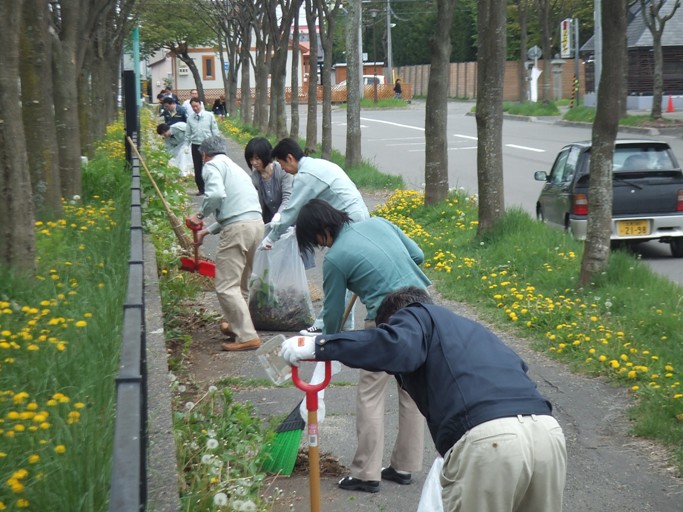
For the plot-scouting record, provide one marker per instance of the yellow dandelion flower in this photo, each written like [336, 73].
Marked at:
[60, 448]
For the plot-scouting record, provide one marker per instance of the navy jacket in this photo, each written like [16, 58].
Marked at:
[458, 372]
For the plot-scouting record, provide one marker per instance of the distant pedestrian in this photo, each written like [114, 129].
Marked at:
[194, 93]
[219, 108]
[200, 126]
[397, 89]
[173, 113]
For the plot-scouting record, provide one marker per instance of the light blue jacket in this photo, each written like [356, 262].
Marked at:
[198, 130]
[320, 179]
[229, 194]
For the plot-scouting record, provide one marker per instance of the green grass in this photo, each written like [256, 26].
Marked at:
[587, 115]
[369, 103]
[59, 337]
[528, 108]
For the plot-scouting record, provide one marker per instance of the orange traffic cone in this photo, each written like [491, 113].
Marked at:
[670, 108]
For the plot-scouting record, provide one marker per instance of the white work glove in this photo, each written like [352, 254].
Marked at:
[266, 244]
[295, 349]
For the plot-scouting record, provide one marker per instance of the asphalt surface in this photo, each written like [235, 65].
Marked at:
[608, 470]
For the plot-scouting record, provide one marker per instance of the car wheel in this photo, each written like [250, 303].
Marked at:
[539, 214]
[676, 245]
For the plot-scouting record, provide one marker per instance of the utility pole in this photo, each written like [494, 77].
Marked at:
[390, 62]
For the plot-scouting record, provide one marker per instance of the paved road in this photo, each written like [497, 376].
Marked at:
[393, 140]
[608, 470]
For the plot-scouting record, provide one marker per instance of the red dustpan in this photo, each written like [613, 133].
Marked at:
[203, 267]
[313, 450]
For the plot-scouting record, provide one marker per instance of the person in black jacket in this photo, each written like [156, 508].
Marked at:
[502, 448]
[397, 89]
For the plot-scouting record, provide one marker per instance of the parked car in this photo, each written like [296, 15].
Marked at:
[367, 80]
[647, 193]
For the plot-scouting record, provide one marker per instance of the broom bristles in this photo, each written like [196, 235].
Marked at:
[283, 452]
[180, 232]
[285, 446]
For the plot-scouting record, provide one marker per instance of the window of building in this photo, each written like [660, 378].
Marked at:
[209, 67]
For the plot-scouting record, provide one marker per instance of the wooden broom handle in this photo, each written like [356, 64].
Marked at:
[149, 175]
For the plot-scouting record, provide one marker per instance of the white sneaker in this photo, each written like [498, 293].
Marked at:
[311, 331]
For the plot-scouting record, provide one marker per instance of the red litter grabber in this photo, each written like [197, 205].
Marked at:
[203, 267]
[311, 391]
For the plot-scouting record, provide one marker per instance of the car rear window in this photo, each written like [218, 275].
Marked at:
[640, 158]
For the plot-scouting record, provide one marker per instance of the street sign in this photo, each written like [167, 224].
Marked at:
[566, 38]
[534, 53]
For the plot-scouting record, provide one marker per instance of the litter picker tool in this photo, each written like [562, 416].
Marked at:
[311, 391]
[183, 238]
[285, 446]
[194, 264]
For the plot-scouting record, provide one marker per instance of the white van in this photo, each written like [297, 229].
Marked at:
[370, 79]
[367, 80]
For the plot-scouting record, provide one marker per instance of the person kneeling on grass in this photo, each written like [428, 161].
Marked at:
[502, 448]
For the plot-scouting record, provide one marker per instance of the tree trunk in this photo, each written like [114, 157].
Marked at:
[596, 250]
[37, 107]
[658, 77]
[546, 46]
[523, 12]
[312, 108]
[294, 87]
[655, 21]
[327, 36]
[184, 56]
[245, 85]
[491, 26]
[436, 109]
[353, 139]
[65, 75]
[17, 235]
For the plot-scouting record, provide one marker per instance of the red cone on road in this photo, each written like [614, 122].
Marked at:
[670, 108]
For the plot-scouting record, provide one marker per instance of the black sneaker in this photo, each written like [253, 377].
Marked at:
[348, 483]
[311, 331]
[393, 475]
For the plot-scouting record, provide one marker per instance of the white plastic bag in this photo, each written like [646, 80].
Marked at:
[279, 297]
[430, 499]
[319, 376]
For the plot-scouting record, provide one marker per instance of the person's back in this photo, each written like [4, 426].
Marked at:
[377, 259]
[336, 187]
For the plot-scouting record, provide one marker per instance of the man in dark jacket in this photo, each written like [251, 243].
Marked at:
[502, 448]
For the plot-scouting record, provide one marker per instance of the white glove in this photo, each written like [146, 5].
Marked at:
[266, 244]
[276, 218]
[295, 349]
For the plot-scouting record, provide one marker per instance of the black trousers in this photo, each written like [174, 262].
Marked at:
[197, 161]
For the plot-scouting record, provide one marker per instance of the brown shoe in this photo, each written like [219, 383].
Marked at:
[247, 345]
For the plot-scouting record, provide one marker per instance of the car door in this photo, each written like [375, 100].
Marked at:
[551, 199]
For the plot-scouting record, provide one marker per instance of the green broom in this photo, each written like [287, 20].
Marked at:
[285, 446]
